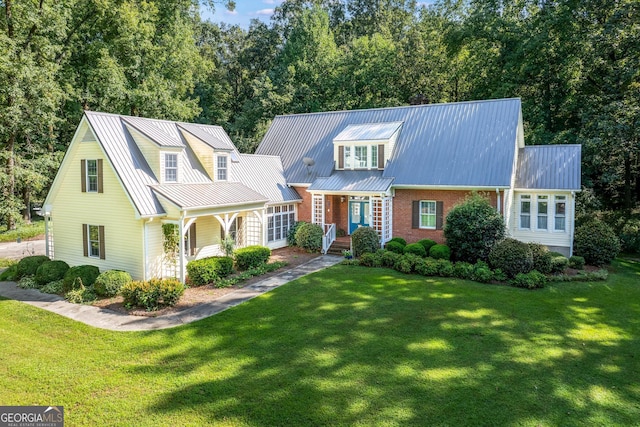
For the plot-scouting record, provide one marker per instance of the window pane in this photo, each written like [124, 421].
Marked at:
[171, 167]
[542, 222]
[361, 156]
[560, 223]
[525, 221]
[542, 207]
[560, 208]
[525, 207]
[94, 241]
[347, 157]
[92, 176]
[427, 214]
[374, 156]
[270, 231]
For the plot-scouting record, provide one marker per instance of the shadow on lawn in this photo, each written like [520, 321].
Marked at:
[422, 351]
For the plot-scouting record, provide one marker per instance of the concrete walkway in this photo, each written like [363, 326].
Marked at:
[15, 250]
[108, 319]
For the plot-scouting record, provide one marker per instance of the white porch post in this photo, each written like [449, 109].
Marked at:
[181, 249]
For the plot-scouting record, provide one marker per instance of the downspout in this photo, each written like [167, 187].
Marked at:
[145, 235]
[573, 222]
[498, 199]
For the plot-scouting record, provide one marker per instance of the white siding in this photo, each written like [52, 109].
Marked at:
[155, 249]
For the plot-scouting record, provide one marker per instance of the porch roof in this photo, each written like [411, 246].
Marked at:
[191, 196]
[352, 181]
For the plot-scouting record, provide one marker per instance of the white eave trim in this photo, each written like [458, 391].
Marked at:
[450, 187]
[546, 190]
[306, 184]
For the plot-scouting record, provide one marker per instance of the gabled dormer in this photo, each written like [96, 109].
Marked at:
[210, 145]
[365, 146]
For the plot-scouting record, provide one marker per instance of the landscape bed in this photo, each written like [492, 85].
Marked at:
[348, 346]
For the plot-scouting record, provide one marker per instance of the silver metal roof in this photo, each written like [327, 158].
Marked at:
[208, 136]
[549, 167]
[192, 196]
[127, 160]
[368, 132]
[459, 144]
[154, 132]
[264, 175]
[352, 181]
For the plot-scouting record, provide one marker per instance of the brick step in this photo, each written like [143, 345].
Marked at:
[337, 247]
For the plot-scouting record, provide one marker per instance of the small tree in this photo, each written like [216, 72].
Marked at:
[472, 228]
[596, 242]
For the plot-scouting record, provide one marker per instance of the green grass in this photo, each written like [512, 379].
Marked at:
[7, 262]
[348, 346]
[36, 228]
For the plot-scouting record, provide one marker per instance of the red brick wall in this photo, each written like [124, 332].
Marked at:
[304, 208]
[402, 205]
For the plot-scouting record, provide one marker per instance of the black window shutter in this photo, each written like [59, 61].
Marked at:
[99, 162]
[439, 209]
[85, 243]
[381, 156]
[101, 236]
[341, 157]
[415, 214]
[83, 175]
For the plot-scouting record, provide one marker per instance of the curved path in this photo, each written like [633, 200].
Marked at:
[108, 319]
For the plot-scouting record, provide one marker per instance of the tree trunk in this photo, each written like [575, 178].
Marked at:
[26, 199]
[628, 195]
[10, 187]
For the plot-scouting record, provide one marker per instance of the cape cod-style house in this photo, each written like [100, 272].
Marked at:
[399, 170]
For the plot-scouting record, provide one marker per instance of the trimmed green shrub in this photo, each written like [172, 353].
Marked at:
[583, 276]
[50, 271]
[10, 273]
[372, 259]
[396, 247]
[427, 267]
[252, 256]
[415, 249]
[152, 294]
[207, 270]
[511, 256]
[463, 270]
[531, 280]
[440, 251]
[28, 266]
[472, 228]
[541, 258]
[291, 234]
[109, 283]
[427, 244]
[596, 242]
[482, 273]
[576, 262]
[399, 240]
[404, 264]
[365, 239]
[309, 236]
[559, 264]
[389, 258]
[80, 295]
[445, 267]
[499, 275]
[86, 273]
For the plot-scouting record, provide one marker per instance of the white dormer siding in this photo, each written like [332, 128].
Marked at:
[203, 152]
[365, 146]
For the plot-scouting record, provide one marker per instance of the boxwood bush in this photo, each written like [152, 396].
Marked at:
[152, 294]
[512, 257]
[396, 247]
[28, 266]
[541, 258]
[309, 236]
[372, 259]
[559, 264]
[531, 280]
[596, 242]
[84, 275]
[416, 249]
[50, 271]
[207, 270]
[291, 234]
[109, 283]
[427, 244]
[472, 228]
[399, 240]
[365, 239]
[440, 251]
[576, 262]
[252, 256]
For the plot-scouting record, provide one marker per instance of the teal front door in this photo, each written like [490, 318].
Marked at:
[358, 214]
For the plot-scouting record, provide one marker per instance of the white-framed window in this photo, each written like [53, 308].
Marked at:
[525, 211]
[427, 214]
[279, 220]
[543, 213]
[361, 157]
[92, 176]
[221, 164]
[560, 210]
[170, 167]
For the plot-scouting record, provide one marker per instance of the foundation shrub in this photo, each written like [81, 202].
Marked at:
[440, 251]
[390, 258]
[87, 275]
[427, 267]
[364, 240]
[445, 267]
[427, 244]
[511, 256]
[531, 280]
[372, 259]
[252, 256]
[309, 236]
[28, 266]
[481, 272]
[291, 234]
[109, 283]
[559, 264]
[396, 247]
[463, 270]
[576, 262]
[472, 228]
[152, 294]
[596, 242]
[50, 271]
[399, 240]
[415, 249]
[541, 258]
[207, 270]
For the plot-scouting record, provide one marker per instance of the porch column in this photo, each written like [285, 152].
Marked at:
[181, 249]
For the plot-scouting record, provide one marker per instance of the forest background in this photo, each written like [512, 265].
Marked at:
[574, 63]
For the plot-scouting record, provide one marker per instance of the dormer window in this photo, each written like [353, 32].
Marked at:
[170, 167]
[221, 163]
[365, 146]
[361, 157]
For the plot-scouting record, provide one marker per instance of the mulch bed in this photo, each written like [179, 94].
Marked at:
[193, 296]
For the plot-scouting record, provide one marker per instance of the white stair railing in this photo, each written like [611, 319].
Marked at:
[328, 238]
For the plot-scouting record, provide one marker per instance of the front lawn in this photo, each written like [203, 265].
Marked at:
[348, 346]
[28, 231]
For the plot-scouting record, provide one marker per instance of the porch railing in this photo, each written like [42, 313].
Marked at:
[329, 237]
